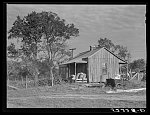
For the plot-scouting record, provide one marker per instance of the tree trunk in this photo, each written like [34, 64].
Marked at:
[36, 77]
[50, 59]
[50, 66]
[36, 69]
[21, 79]
[26, 82]
[51, 70]
[52, 76]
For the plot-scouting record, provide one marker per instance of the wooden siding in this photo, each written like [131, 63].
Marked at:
[95, 65]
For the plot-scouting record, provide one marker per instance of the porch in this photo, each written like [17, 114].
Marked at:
[77, 71]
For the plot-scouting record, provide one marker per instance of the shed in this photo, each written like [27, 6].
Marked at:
[98, 64]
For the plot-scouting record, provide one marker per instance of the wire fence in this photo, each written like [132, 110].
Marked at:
[29, 83]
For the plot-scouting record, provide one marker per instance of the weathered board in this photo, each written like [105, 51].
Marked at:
[100, 61]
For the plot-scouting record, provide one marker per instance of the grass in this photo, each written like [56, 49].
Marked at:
[68, 89]
[134, 84]
[72, 102]
[77, 103]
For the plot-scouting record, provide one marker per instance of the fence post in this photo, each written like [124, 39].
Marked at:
[21, 79]
[26, 82]
[138, 76]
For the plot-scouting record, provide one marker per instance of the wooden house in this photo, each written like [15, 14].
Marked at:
[98, 64]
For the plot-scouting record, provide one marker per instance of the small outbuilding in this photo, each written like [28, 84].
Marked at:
[98, 64]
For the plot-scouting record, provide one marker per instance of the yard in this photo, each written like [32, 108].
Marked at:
[74, 96]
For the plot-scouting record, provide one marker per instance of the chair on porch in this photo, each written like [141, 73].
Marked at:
[81, 77]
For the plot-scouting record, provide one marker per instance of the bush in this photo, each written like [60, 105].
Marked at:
[43, 82]
[144, 78]
[133, 85]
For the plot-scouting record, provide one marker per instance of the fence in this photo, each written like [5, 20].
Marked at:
[29, 83]
[137, 76]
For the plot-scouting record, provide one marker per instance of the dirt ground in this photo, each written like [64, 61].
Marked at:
[74, 96]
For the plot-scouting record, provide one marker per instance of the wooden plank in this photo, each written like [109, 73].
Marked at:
[12, 87]
[95, 65]
[89, 67]
[87, 71]
[133, 76]
[99, 71]
[94, 68]
[95, 75]
[113, 67]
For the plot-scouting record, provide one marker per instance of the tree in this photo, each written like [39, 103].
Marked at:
[12, 52]
[55, 32]
[137, 65]
[119, 50]
[106, 43]
[122, 52]
[27, 29]
[44, 27]
[12, 70]
[28, 32]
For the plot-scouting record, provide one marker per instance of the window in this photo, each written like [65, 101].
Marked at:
[104, 68]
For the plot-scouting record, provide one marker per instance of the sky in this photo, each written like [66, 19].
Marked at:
[122, 24]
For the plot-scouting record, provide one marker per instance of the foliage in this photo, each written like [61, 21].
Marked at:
[12, 69]
[106, 43]
[56, 32]
[12, 51]
[46, 27]
[119, 50]
[18, 71]
[138, 65]
[27, 30]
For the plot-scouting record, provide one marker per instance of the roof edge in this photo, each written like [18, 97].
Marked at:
[115, 55]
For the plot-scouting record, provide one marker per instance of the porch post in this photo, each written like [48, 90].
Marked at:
[119, 69]
[87, 72]
[68, 70]
[127, 71]
[75, 67]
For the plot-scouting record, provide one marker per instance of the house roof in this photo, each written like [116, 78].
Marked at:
[78, 58]
[123, 61]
